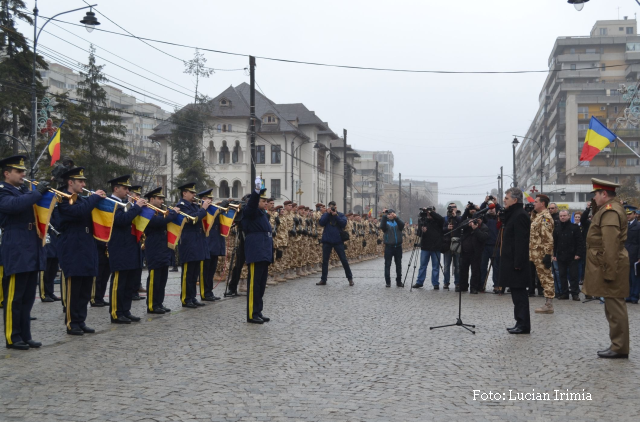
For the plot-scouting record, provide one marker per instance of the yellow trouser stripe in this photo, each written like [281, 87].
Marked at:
[201, 279]
[42, 294]
[8, 326]
[93, 291]
[1, 290]
[150, 294]
[114, 295]
[68, 303]
[63, 289]
[183, 296]
[251, 287]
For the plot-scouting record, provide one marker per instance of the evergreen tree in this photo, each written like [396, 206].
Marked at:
[16, 72]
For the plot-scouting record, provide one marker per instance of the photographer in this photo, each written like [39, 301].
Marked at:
[474, 236]
[392, 227]
[491, 250]
[431, 238]
[568, 249]
[451, 222]
[334, 223]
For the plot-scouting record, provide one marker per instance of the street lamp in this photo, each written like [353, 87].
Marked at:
[90, 22]
[578, 4]
[515, 144]
[563, 195]
[541, 163]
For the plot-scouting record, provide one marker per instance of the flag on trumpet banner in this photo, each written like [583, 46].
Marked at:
[103, 215]
[174, 230]
[598, 138]
[207, 222]
[226, 220]
[43, 210]
[140, 222]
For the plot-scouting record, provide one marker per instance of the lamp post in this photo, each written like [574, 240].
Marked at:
[90, 22]
[515, 139]
[515, 144]
[578, 4]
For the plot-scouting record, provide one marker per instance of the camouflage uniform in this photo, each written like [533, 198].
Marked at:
[541, 244]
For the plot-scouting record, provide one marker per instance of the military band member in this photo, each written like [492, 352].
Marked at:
[101, 281]
[215, 247]
[22, 252]
[124, 253]
[47, 277]
[607, 270]
[76, 238]
[239, 261]
[258, 251]
[192, 248]
[135, 193]
[158, 253]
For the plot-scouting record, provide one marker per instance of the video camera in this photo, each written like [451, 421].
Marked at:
[424, 212]
[528, 207]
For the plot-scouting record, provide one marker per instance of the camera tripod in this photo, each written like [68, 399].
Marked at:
[415, 257]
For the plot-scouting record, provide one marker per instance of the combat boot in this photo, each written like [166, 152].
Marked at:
[547, 308]
[290, 275]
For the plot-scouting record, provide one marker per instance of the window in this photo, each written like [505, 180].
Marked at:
[633, 46]
[637, 180]
[573, 67]
[629, 30]
[275, 154]
[603, 66]
[621, 28]
[583, 126]
[211, 152]
[591, 51]
[236, 191]
[603, 31]
[225, 103]
[603, 108]
[219, 128]
[269, 119]
[321, 162]
[223, 190]
[615, 109]
[223, 156]
[633, 162]
[572, 51]
[260, 154]
[583, 112]
[633, 144]
[235, 157]
[229, 127]
[275, 188]
[616, 179]
[224, 128]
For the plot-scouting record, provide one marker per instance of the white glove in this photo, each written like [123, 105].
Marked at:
[258, 183]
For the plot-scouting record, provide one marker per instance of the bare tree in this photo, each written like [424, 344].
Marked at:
[144, 162]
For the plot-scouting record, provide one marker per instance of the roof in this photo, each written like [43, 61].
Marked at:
[328, 131]
[163, 129]
[302, 113]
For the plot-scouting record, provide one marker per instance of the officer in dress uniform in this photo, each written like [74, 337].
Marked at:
[158, 253]
[215, 247]
[22, 252]
[76, 239]
[124, 253]
[607, 269]
[135, 193]
[258, 251]
[193, 250]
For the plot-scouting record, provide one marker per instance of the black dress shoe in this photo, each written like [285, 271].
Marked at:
[532, 293]
[47, 299]
[518, 330]
[457, 289]
[436, 287]
[511, 328]
[32, 318]
[399, 284]
[33, 344]
[563, 297]
[216, 297]
[231, 294]
[610, 354]
[321, 283]
[209, 298]
[98, 305]
[445, 287]
[156, 311]
[56, 298]
[473, 292]
[576, 298]
[19, 345]
[121, 320]
[137, 297]
[165, 309]
[256, 320]
[87, 329]
[190, 305]
[195, 302]
[387, 284]
[601, 351]
[133, 318]
[417, 286]
[75, 331]
[264, 318]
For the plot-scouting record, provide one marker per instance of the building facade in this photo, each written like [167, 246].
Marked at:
[385, 163]
[585, 76]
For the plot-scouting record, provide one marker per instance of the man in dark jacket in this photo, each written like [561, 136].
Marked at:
[451, 222]
[474, 237]
[632, 244]
[491, 251]
[392, 228]
[514, 259]
[333, 222]
[258, 251]
[431, 238]
[216, 246]
[568, 248]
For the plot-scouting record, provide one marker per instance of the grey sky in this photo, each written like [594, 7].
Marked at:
[439, 127]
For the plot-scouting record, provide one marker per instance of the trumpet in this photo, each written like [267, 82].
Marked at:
[187, 216]
[122, 204]
[163, 212]
[59, 195]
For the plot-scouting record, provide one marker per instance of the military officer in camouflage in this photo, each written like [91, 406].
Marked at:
[607, 268]
[541, 250]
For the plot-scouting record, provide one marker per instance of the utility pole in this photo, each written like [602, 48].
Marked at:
[410, 199]
[501, 187]
[252, 112]
[399, 194]
[376, 203]
[344, 131]
[515, 179]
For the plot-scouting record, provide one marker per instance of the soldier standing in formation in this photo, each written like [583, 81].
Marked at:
[135, 193]
[215, 247]
[607, 269]
[541, 250]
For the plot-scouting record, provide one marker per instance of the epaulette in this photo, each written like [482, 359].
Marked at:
[608, 207]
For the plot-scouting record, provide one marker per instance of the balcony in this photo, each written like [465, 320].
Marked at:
[590, 58]
[628, 133]
[587, 73]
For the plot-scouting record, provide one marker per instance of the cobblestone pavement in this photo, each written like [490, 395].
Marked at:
[333, 353]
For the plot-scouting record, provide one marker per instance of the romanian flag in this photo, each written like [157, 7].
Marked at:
[207, 222]
[226, 220]
[43, 210]
[528, 197]
[598, 138]
[103, 216]
[54, 147]
[140, 222]
[174, 230]
[370, 212]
